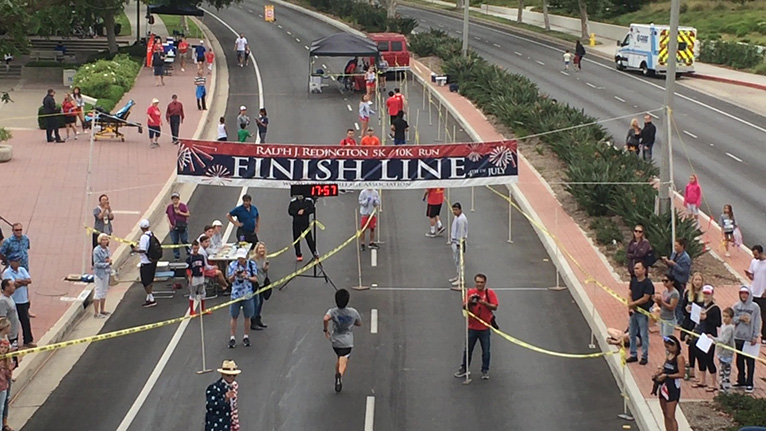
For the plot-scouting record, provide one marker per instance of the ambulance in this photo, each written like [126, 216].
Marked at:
[645, 48]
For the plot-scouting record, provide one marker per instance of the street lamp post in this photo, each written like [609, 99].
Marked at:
[466, 8]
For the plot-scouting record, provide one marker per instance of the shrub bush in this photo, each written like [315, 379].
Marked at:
[370, 18]
[607, 230]
[107, 80]
[41, 119]
[604, 180]
[736, 55]
[746, 410]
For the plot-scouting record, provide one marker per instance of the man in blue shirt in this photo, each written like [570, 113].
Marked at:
[199, 54]
[21, 279]
[17, 244]
[679, 264]
[243, 276]
[247, 221]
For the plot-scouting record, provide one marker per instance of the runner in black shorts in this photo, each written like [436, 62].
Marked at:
[343, 320]
[668, 380]
[434, 199]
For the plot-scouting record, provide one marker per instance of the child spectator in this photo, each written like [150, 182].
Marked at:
[222, 135]
[209, 57]
[567, 59]
[243, 134]
[263, 124]
[725, 356]
[196, 277]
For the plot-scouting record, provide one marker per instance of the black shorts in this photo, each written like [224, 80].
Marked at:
[69, 119]
[153, 131]
[729, 236]
[433, 211]
[250, 237]
[147, 273]
[342, 351]
[159, 70]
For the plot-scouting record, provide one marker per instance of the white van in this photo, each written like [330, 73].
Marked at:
[645, 48]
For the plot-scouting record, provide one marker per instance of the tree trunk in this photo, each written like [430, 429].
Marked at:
[460, 4]
[546, 20]
[185, 25]
[391, 8]
[519, 12]
[583, 18]
[111, 38]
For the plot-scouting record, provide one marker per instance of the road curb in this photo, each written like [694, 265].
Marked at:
[727, 81]
[30, 366]
[322, 17]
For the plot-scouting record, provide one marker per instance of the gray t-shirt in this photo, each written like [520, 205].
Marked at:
[343, 320]
[667, 296]
[103, 226]
[8, 310]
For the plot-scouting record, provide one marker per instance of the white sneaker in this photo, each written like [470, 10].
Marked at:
[430, 235]
[456, 283]
[183, 70]
[453, 279]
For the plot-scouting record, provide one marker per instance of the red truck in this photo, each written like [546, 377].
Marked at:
[393, 47]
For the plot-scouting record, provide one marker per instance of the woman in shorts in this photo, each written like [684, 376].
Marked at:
[369, 79]
[69, 108]
[728, 225]
[365, 111]
[693, 198]
[80, 105]
[102, 269]
[668, 379]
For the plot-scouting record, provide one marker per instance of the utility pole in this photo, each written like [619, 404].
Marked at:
[466, 6]
[138, 21]
[666, 165]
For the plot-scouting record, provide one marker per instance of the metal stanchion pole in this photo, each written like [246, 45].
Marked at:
[204, 369]
[380, 211]
[510, 218]
[461, 280]
[454, 133]
[624, 415]
[430, 117]
[557, 256]
[439, 122]
[88, 175]
[449, 215]
[473, 193]
[359, 286]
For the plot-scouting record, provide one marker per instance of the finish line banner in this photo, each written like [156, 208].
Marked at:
[384, 167]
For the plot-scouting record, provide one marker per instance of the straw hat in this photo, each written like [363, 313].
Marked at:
[229, 368]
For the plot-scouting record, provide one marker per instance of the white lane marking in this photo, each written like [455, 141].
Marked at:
[590, 85]
[734, 157]
[126, 212]
[324, 66]
[517, 53]
[289, 32]
[349, 108]
[251, 11]
[369, 411]
[496, 45]
[255, 67]
[691, 134]
[278, 25]
[458, 32]
[627, 75]
[653, 116]
[373, 258]
[374, 321]
[564, 73]
[297, 40]
[540, 62]
[620, 99]
[441, 25]
[260, 15]
[138, 404]
[477, 38]
[356, 125]
[332, 77]
[417, 68]
[307, 48]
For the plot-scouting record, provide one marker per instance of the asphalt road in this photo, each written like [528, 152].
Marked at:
[407, 366]
[722, 149]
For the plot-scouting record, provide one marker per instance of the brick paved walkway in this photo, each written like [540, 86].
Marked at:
[44, 188]
[552, 215]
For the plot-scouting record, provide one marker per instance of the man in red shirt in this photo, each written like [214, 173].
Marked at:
[480, 301]
[434, 199]
[183, 52]
[394, 105]
[370, 140]
[349, 140]
[153, 123]
[175, 116]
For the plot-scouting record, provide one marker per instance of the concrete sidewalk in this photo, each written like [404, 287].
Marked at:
[537, 199]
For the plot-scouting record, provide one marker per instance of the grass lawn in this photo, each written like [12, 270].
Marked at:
[173, 22]
[121, 18]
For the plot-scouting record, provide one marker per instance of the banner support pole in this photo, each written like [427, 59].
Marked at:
[204, 369]
[359, 286]
[449, 215]
[510, 219]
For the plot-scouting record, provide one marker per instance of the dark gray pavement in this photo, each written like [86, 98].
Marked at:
[707, 145]
[287, 379]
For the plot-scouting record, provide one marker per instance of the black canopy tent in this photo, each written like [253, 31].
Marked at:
[342, 45]
[184, 10]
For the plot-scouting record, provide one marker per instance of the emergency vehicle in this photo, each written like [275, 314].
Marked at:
[645, 48]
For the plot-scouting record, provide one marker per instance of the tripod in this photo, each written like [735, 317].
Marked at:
[318, 270]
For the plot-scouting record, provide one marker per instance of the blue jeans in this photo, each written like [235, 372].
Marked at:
[667, 327]
[257, 304]
[483, 337]
[639, 325]
[179, 237]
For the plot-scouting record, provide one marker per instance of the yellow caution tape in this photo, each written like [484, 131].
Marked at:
[147, 327]
[302, 235]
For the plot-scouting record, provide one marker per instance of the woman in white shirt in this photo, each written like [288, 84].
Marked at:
[222, 135]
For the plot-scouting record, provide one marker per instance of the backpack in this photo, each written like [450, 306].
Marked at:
[154, 251]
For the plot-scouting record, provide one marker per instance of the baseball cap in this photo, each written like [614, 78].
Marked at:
[217, 223]
[155, 101]
[202, 42]
[144, 224]
[241, 253]
[707, 289]
[242, 108]
[744, 289]
[15, 257]
[175, 195]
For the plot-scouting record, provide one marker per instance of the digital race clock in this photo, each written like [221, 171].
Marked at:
[315, 190]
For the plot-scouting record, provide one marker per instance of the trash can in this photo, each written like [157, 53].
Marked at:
[69, 77]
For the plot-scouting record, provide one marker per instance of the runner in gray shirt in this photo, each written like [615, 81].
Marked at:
[8, 309]
[343, 320]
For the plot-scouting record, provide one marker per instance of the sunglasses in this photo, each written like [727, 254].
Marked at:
[638, 231]
[17, 230]
[665, 280]
[669, 340]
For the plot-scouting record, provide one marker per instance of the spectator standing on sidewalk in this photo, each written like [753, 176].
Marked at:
[669, 378]
[482, 302]
[183, 52]
[154, 123]
[150, 254]
[70, 116]
[747, 321]
[223, 135]
[6, 371]
[725, 356]
[300, 209]
[349, 140]
[260, 257]
[263, 124]
[458, 238]
[102, 219]
[370, 140]
[693, 295]
[648, 134]
[693, 198]
[365, 112]
[710, 321]
[668, 301]
[434, 199]
[17, 244]
[757, 274]
[8, 310]
[21, 280]
[248, 221]
[243, 134]
[369, 200]
[178, 217]
[199, 56]
[209, 58]
[679, 264]
[579, 54]
[174, 114]
[243, 276]
[728, 225]
[102, 270]
[641, 292]
[80, 104]
[638, 249]
[399, 129]
[51, 119]
[633, 139]
[221, 400]
[201, 91]
[158, 64]
[243, 118]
